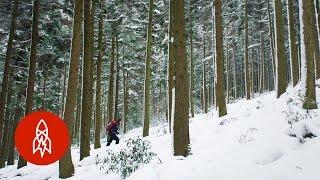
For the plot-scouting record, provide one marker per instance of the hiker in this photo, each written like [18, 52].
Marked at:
[112, 130]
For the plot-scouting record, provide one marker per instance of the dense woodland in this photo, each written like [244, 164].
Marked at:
[148, 62]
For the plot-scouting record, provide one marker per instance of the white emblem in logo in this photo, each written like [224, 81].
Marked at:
[41, 142]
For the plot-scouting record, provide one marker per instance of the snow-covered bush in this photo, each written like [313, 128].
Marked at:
[248, 136]
[127, 160]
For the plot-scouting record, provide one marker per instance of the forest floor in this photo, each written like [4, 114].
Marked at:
[253, 142]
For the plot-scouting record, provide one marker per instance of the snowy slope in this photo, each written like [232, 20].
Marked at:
[252, 142]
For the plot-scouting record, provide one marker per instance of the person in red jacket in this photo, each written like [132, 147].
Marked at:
[112, 130]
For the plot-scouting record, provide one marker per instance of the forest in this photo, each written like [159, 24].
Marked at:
[171, 70]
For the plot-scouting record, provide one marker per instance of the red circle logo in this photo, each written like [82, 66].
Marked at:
[42, 138]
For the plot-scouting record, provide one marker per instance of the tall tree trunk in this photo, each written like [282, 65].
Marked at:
[191, 88]
[97, 143]
[227, 74]
[6, 132]
[16, 118]
[170, 64]
[146, 103]
[292, 44]
[219, 60]
[125, 99]
[262, 65]
[32, 66]
[280, 50]
[246, 53]
[180, 108]
[66, 168]
[86, 83]
[271, 42]
[234, 72]
[64, 88]
[316, 44]
[308, 56]
[7, 64]
[116, 98]
[111, 83]
[204, 78]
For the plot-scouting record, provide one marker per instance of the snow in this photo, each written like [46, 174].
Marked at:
[253, 142]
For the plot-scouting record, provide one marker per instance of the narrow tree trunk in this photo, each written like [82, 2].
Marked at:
[227, 75]
[234, 72]
[180, 117]
[5, 137]
[292, 44]
[111, 83]
[280, 50]
[308, 46]
[191, 65]
[146, 103]
[66, 168]
[246, 53]
[7, 64]
[219, 82]
[86, 83]
[63, 89]
[316, 44]
[97, 143]
[32, 66]
[204, 80]
[271, 39]
[16, 118]
[125, 99]
[262, 63]
[116, 98]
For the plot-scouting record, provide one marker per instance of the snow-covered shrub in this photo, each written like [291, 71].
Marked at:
[127, 160]
[303, 130]
[295, 113]
[248, 136]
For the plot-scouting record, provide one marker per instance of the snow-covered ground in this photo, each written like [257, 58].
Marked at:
[253, 142]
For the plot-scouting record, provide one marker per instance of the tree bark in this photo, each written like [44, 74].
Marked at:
[204, 80]
[246, 53]
[280, 50]
[7, 64]
[219, 60]
[191, 65]
[86, 83]
[97, 143]
[271, 41]
[146, 103]
[66, 167]
[32, 66]
[111, 83]
[308, 45]
[116, 98]
[292, 44]
[180, 108]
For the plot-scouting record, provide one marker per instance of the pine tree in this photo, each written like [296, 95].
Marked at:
[219, 60]
[146, 104]
[191, 88]
[7, 64]
[180, 107]
[32, 66]
[111, 82]
[97, 143]
[308, 45]
[293, 46]
[246, 53]
[86, 83]
[66, 167]
[280, 50]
